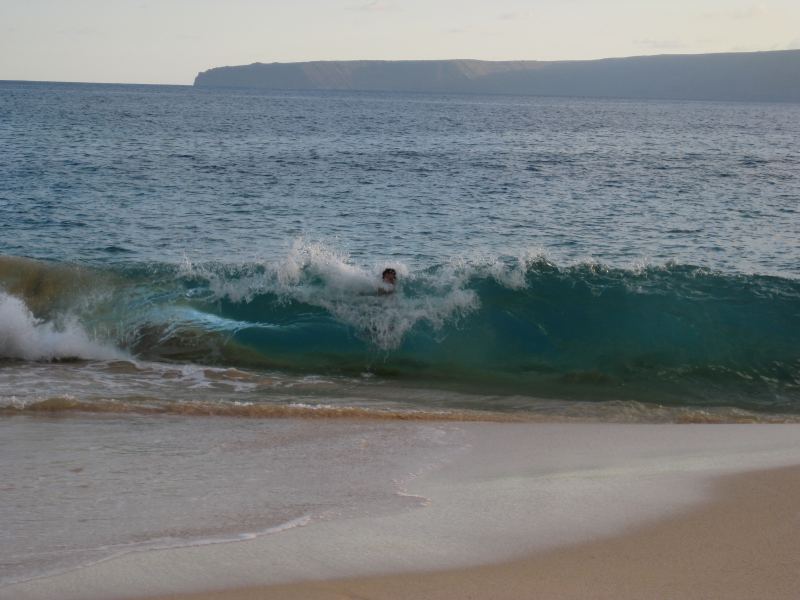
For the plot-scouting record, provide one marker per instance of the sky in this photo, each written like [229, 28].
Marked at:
[170, 41]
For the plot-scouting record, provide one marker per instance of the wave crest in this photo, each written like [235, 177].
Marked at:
[316, 276]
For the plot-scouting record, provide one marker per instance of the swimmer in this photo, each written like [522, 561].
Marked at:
[389, 279]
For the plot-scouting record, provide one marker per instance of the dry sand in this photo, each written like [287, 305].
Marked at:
[743, 543]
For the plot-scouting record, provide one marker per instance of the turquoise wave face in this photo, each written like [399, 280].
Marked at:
[673, 334]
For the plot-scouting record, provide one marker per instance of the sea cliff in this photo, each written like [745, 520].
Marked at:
[742, 76]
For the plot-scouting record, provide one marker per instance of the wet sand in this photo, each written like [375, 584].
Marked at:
[529, 510]
[744, 543]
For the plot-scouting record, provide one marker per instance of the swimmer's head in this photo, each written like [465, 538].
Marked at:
[389, 276]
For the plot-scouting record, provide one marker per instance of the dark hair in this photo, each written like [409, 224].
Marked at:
[388, 271]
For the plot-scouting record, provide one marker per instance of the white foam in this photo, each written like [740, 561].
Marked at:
[510, 271]
[318, 275]
[25, 337]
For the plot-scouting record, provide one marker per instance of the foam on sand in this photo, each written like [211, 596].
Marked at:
[520, 488]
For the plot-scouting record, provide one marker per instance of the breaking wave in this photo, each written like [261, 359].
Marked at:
[26, 337]
[674, 334]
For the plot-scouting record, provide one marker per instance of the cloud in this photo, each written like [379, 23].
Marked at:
[515, 15]
[746, 48]
[78, 31]
[793, 45]
[661, 44]
[372, 6]
[753, 11]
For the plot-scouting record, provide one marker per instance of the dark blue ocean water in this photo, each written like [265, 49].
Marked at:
[104, 173]
[568, 249]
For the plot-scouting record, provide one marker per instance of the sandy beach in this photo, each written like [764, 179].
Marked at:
[522, 510]
[743, 543]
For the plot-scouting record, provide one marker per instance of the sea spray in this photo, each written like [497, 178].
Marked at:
[24, 337]
[316, 276]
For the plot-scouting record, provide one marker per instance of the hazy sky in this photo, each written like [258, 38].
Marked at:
[169, 41]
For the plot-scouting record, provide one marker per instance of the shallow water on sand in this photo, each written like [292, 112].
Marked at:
[81, 489]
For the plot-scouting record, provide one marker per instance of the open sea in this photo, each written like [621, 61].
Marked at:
[169, 251]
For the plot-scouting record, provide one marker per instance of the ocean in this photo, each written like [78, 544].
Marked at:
[169, 252]
[174, 244]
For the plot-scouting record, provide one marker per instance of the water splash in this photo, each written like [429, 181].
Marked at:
[23, 336]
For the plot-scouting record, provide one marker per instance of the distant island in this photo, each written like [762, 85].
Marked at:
[740, 76]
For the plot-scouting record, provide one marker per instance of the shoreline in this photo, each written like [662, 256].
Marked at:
[514, 490]
[743, 543]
